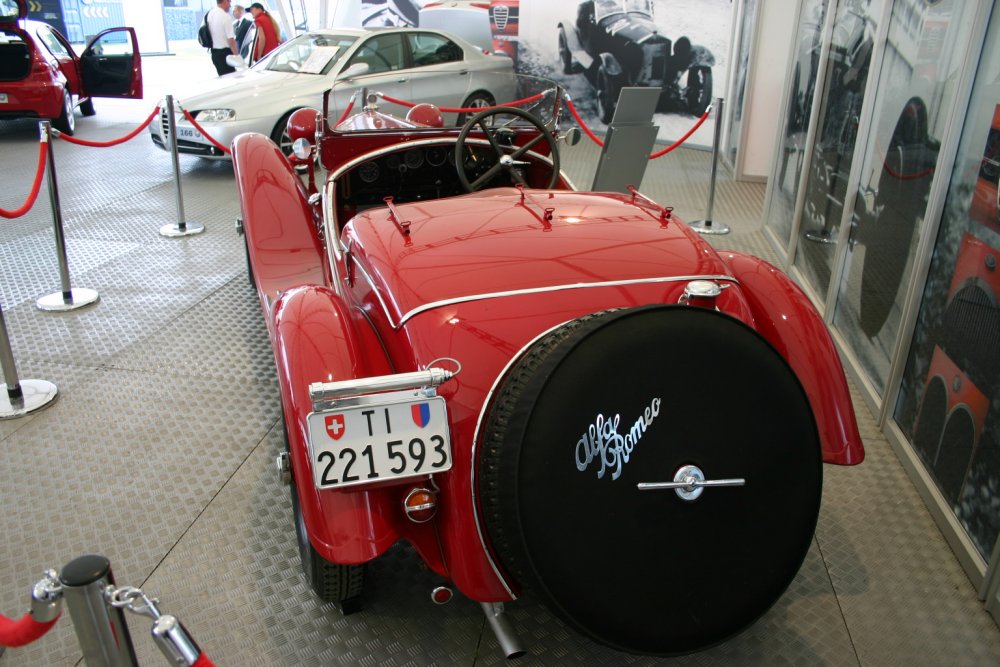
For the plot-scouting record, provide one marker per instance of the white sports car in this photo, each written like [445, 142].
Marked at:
[408, 64]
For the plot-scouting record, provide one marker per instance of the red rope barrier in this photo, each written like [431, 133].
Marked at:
[43, 149]
[583, 126]
[22, 632]
[204, 133]
[515, 103]
[907, 177]
[113, 142]
[684, 138]
[203, 661]
[347, 111]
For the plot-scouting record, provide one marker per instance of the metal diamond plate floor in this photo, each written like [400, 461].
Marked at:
[158, 452]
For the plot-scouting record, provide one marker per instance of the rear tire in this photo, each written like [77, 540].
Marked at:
[699, 90]
[608, 88]
[478, 100]
[87, 107]
[66, 122]
[332, 582]
[564, 53]
[646, 571]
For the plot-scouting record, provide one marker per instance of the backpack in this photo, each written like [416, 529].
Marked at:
[204, 34]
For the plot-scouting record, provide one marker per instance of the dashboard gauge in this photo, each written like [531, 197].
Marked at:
[392, 161]
[436, 156]
[368, 172]
[414, 159]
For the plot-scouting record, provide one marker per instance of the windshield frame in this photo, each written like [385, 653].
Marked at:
[275, 61]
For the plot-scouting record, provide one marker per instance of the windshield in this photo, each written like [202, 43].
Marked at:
[605, 8]
[312, 53]
[538, 96]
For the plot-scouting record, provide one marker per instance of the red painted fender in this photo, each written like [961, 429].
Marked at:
[282, 230]
[316, 340]
[787, 319]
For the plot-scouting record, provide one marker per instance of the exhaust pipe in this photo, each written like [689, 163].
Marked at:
[510, 644]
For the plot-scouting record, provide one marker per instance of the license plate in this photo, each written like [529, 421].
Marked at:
[379, 441]
[188, 133]
[3, 98]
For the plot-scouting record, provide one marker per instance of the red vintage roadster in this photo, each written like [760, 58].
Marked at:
[547, 392]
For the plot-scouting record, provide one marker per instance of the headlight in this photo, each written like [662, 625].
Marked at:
[214, 115]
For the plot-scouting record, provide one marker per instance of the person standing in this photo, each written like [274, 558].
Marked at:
[267, 30]
[241, 25]
[220, 26]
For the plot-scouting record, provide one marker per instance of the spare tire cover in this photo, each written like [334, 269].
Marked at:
[622, 397]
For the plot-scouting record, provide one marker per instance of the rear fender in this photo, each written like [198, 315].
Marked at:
[611, 65]
[316, 339]
[701, 57]
[282, 229]
[787, 319]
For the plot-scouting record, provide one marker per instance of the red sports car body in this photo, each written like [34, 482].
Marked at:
[548, 392]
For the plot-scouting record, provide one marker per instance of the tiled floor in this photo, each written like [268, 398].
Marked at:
[158, 453]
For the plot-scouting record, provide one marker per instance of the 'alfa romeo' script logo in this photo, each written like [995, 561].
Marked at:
[603, 442]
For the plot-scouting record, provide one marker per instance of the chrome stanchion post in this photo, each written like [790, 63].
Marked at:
[19, 397]
[706, 226]
[100, 627]
[69, 298]
[181, 227]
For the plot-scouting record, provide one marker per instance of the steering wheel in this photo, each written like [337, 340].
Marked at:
[508, 157]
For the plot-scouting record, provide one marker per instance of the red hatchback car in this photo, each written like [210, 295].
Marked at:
[42, 77]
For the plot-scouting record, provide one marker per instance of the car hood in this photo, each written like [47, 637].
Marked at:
[498, 242]
[254, 88]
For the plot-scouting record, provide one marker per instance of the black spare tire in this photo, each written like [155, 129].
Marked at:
[646, 571]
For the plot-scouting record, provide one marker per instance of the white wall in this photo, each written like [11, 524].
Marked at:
[146, 16]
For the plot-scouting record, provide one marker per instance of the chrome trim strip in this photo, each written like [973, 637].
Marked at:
[475, 441]
[378, 294]
[558, 288]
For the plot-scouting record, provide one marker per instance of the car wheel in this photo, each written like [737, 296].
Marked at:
[246, 249]
[478, 100]
[615, 399]
[87, 107]
[564, 54]
[66, 122]
[332, 582]
[699, 90]
[279, 134]
[608, 88]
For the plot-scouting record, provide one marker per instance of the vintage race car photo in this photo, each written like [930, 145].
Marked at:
[41, 76]
[407, 63]
[616, 43]
[546, 392]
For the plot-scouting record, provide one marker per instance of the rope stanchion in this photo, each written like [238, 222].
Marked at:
[24, 631]
[112, 142]
[694, 128]
[69, 298]
[181, 227]
[198, 127]
[583, 126]
[19, 397]
[706, 226]
[515, 103]
[36, 185]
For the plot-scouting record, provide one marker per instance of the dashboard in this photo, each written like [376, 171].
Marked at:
[414, 174]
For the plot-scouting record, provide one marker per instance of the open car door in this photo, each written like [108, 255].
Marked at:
[111, 65]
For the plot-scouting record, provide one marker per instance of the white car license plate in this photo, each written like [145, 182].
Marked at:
[379, 441]
[3, 98]
[188, 133]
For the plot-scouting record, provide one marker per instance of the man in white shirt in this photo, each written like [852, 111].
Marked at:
[220, 26]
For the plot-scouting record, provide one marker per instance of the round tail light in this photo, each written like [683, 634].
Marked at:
[420, 505]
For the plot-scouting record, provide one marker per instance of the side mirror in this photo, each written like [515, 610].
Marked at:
[355, 70]
[572, 136]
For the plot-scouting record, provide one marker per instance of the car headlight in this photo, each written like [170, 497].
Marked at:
[214, 115]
